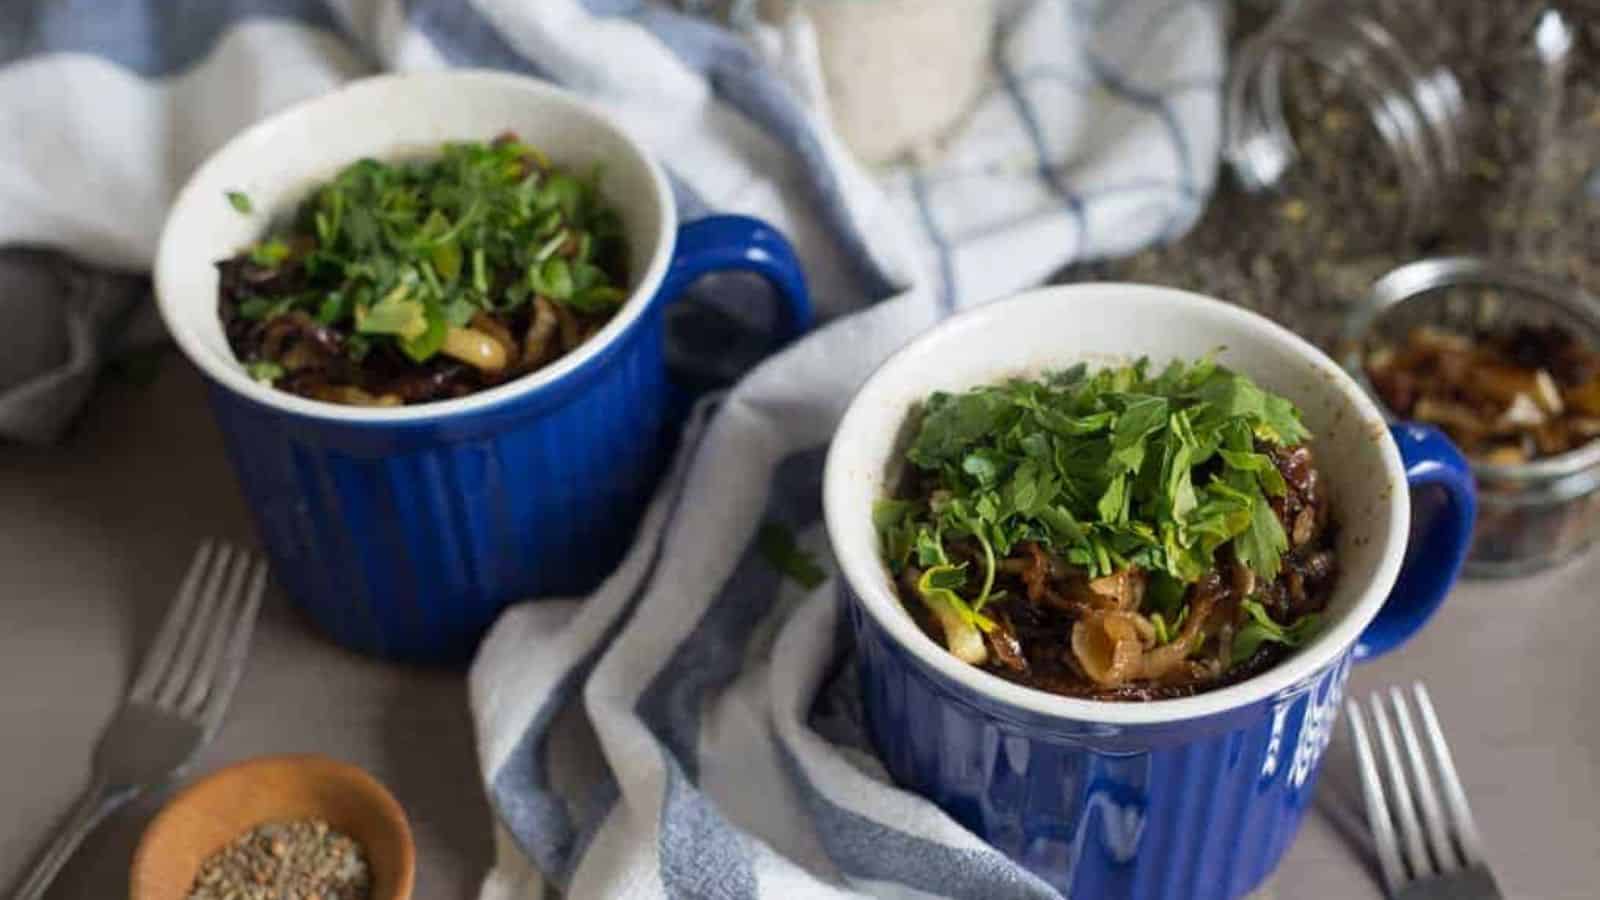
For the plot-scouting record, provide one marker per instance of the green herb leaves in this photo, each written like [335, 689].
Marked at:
[1106, 469]
[963, 626]
[1261, 545]
[1261, 628]
[403, 252]
[264, 371]
[396, 314]
[776, 544]
[269, 253]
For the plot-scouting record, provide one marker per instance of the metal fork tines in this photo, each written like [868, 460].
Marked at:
[177, 699]
[197, 657]
[1427, 847]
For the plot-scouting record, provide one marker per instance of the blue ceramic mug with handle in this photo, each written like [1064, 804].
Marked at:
[1195, 797]
[404, 531]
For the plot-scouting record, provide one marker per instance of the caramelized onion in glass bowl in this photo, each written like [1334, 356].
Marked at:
[1507, 362]
[1504, 398]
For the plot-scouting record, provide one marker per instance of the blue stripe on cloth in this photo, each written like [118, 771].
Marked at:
[1091, 12]
[465, 38]
[525, 802]
[702, 856]
[690, 204]
[941, 245]
[154, 38]
[868, 850]
[1073, 78]
[1164, 17]
[1158, 104]
[612, 7]
[739, 77]
[1137, 185]
[1047, 170]
[530, 809]
[712, 655]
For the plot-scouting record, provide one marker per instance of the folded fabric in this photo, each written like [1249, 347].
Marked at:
[688, 730]
[1097, 134]
[691, 729]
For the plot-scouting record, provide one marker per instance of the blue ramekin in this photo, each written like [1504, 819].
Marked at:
[403, 532]
[1191, 798]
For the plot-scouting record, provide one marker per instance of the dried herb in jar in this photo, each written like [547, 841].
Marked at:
[1526, 188]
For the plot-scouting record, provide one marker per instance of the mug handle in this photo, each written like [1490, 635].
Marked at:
[1433, 555]
[741, 243]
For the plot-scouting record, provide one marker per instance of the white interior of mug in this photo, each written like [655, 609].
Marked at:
[1102, 324]
[279, 160]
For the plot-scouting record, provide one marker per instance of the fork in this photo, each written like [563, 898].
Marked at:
[1440, 857]
[176, 702]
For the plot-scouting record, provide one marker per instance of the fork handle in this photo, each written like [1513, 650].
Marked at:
[97, 801]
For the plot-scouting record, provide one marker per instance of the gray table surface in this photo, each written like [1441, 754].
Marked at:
[95, 534]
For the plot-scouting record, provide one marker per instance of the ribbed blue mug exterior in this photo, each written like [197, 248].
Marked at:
[1191, 809]
[1197, 810]
[406, 539]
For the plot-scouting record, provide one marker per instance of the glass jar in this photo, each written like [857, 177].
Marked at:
[1415, 125]
[1353, 110]
[1532, 514]
[1364, 134]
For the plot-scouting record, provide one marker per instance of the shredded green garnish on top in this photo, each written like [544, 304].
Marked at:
[778, 546]
[1110, 471]
[488, 254]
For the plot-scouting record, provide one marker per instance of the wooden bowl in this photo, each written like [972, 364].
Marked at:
[225, 804]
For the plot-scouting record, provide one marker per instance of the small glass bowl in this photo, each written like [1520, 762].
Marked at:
[1531, 515]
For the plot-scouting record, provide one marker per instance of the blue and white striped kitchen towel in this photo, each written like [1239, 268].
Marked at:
[689, 730]
[1098, 134]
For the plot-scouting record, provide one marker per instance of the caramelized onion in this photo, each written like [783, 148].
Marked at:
[571, 328]
[491, 326]
[536, 345]
[349, 395]
[1106, 646]
[1125, 588]
[474, 348]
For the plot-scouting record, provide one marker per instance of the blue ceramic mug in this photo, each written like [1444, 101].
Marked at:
[1196, 797]
[404, 531]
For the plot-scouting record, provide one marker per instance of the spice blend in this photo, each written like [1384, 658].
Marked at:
[301, 860]
[1306, 251]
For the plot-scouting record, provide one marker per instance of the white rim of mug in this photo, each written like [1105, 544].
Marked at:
[863, 568]
[231, 374]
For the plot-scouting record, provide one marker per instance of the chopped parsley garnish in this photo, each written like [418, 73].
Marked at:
[264, 370]
[240, 201]
[778, 547]
[404, 252]
[1261, 628]
[1107, 470]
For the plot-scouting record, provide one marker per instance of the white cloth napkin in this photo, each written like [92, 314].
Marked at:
[690, 729]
